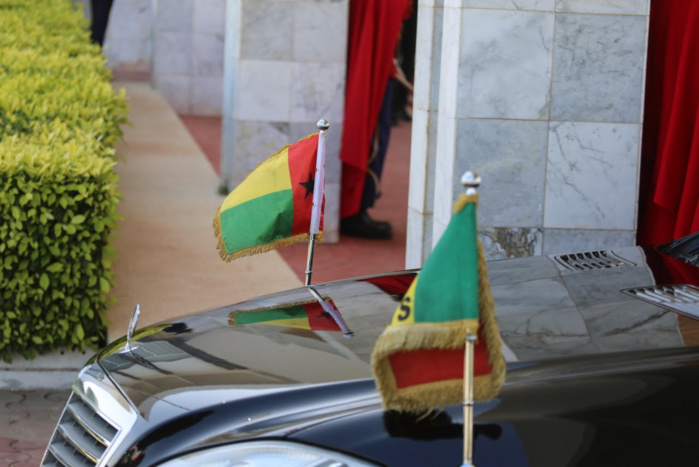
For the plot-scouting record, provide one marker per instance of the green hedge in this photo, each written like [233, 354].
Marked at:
[59, 123]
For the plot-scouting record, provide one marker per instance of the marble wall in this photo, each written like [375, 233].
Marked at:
[128, 43]
[178, 42]
[284, 69]
[544, 99]
[187, 63]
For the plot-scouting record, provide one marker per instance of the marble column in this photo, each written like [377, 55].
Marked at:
[284, 69]
[543, 99]
[424, 132]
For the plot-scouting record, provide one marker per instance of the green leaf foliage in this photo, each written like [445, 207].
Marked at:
[59, 124]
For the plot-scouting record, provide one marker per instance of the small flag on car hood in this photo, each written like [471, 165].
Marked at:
[273, 206]
[418, 360]
[310, 315]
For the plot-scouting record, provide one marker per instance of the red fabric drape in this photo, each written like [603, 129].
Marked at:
[374, 27]
[670, 157]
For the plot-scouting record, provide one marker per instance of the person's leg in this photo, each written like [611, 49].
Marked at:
[100, 19]
[372, 185]
[361, 224]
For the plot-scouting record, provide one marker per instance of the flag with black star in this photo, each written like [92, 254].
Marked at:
[273, 206]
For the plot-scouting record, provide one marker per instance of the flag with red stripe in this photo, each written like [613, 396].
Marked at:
[418, 360]
[273, 206]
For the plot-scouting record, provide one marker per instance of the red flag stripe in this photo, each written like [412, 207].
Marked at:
[318, 319]
[302, 166]
[422, 366]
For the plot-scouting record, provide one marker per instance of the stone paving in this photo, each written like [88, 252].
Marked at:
[27, 420]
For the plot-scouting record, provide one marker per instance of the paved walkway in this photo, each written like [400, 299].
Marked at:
[166, 250]
[27, 420]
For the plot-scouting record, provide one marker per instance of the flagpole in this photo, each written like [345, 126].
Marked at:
[471, 181]
[318, 192]
[468, 401]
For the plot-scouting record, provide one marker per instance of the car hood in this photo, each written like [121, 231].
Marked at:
[571, 332]
[545, 310]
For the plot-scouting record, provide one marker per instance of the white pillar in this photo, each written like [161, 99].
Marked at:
[423, 151]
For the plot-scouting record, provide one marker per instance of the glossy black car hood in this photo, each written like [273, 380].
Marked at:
[558, 325]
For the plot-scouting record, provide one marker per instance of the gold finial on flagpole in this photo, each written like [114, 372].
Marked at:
[471, 181]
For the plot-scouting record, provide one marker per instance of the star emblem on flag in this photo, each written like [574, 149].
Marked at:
[308, 185]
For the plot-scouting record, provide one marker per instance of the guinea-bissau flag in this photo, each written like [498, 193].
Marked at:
[418, 360]
[306, 315]
[272, 207]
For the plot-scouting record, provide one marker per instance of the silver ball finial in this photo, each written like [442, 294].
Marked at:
[323, 125]
[471, 181]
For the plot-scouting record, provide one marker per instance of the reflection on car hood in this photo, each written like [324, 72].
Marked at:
[545, 310]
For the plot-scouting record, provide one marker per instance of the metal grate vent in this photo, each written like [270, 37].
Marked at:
[591, 260]
[683, 299]
[81, 436]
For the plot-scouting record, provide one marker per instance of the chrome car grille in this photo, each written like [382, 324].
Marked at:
[591, 260]
[94, 421]
[81, 436]
[683, 299]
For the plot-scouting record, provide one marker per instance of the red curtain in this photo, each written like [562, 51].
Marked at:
[669, 194]
[374, 27]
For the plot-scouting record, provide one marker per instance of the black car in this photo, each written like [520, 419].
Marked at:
[602, 370]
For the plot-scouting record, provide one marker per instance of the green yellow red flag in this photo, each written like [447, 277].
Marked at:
[418, 360]
[273, 206]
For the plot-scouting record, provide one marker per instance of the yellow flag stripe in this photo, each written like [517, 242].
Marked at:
[270, 177]
[404, 314]
[299, 323]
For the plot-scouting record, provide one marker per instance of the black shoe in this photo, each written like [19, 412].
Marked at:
[362, 226]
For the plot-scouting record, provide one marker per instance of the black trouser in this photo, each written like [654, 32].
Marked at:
[100, 18]
[377, 152]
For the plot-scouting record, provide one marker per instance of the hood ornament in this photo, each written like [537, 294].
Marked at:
[132, 328]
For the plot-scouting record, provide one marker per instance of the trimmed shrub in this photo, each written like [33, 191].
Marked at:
[59, 124]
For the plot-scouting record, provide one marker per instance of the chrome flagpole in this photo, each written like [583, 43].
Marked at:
[318, 192]
[471, 181]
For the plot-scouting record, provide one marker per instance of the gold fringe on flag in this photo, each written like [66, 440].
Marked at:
[221, 247]
[427, 397]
